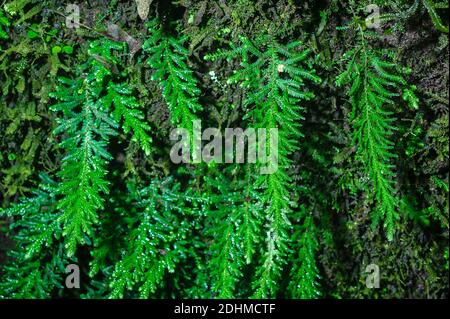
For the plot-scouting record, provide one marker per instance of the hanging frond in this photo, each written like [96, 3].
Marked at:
[157, 240]
[235, 222]
[86, 124]
[167, 57]
[37, 263]
[375, 83]
[274, 77]
[304, 273]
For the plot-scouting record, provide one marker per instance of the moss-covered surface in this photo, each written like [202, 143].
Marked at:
[37, 48]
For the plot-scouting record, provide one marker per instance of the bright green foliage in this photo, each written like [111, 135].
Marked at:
[83, 169]
[157, 240]
[431, 7]
[38, 261]
[227, 257]
[127, 107]
[140, 226]
[274, 76]
[4, 23]
[375, 83]
[276, 97]
[251, 218]
[168, 57]
[236, 217]
[304, 273]
[87, 126]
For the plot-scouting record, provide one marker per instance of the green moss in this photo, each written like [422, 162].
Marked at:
[141, 226]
